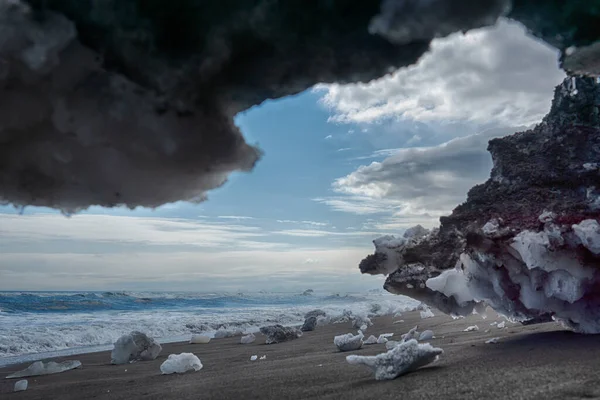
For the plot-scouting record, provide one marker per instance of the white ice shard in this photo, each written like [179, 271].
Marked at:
[426, 313]
[426, 335]
[180, 363]
[133, 347]
[398, 322]
[371, 340]
[348, 342]
[46, 368]
[471, 328]
[199, 339]
[249, 338]
[21, 386]
[501, 325]
[253, 358]
[263, 357]
[411, 334]
[403, 358]
[492, 340]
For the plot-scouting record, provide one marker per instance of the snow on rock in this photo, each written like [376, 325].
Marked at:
[411, 334]
[348, 342]
[279, 333]
[135, 346]
[253, 358]
[45, 368]
[310, 324]
[371, 340]
[403, 358]
[426, 335]
[249, 338]
[492, 340]
[21, 386]
[199, 339]
[471, 328]
[180, 364]
[533, 256]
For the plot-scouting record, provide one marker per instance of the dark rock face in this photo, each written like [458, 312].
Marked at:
[279, 333]
[527, 241]
[128, 102]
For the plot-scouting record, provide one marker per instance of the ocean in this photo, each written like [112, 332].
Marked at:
[35, 325]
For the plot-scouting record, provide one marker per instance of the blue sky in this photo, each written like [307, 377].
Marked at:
[342, 165]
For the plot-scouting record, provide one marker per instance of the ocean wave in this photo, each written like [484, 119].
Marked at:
[35, 332]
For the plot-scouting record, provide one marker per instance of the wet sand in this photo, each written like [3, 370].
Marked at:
[529, 362]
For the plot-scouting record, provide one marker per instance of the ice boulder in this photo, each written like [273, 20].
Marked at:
[180, 364]
[371, 340]
[426, 335]
[21, 386]
[348, 342]
[225, 333]
[249, 338]
[310, 324]
[199, 339]
[45, 368]
[279, 333]
[135, 346]
[403, 358]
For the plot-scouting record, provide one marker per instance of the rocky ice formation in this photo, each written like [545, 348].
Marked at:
[349, 342]
[310, 324]
[123, 102]
[135, 346]
[401, 359]
[45, 368]
[180, 364]
[526, 242]
[279, 333]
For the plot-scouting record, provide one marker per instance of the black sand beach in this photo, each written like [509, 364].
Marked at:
[529, 362]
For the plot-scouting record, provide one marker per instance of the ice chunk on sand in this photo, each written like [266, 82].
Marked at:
[253, 358]
[492, 340]
[348, 342]
[199, 339]
[426, 335]
[225, 333]
[310, 324]
[471, 328]
[249, 338]
[264, 357]
[279, 333]
[501, 325]
[383, 337]
[494, 323]
[412, 334]
[135, 346]
[21, 385]
[45, 368]
[371, 340]
[403, 358]
[427, 313]
[361, 322]
[180, 363]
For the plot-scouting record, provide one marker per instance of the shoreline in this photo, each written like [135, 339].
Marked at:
[536, 361]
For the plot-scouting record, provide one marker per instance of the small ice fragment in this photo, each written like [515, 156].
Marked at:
[180, 363]
[471, 328]
[486, 331]
[199, 339]
[494, 323]
[371, 340]
[264, 357]
[398, 314]
[412, 334]
[363, 327]
[403, 358]
[134, 346]
[427, 313]
[398, 322]
[253, 358]
[501, 325]
[492, 340]
[42, 368]
[426, 335]
[250, 338]
[21, 385]
[348, 342]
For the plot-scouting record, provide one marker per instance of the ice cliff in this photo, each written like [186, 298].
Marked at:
[127, 102]
[527, 241]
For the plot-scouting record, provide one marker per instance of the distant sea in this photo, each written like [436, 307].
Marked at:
[34, 325]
